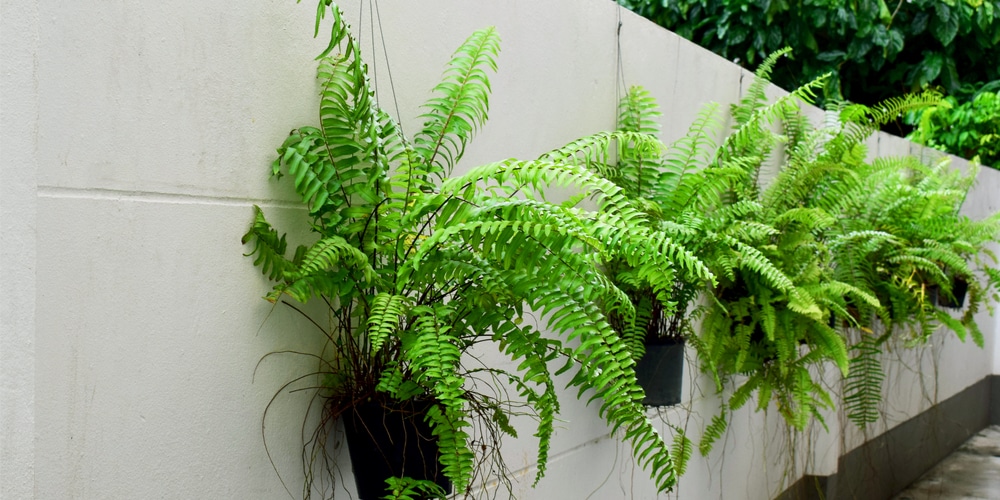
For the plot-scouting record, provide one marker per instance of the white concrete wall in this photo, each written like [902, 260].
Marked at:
[19, 128]
[135, 138]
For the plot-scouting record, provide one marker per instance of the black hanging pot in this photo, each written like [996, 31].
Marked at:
[661, 371]
[391, 440]
[959, 288]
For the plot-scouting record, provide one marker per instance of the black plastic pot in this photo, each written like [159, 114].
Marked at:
[661, 372]
[959, 288]
[391, 441]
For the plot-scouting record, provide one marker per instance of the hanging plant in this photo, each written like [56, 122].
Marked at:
[417, 267]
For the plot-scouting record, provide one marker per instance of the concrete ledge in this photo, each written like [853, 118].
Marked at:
[808, 488]
[888, 463]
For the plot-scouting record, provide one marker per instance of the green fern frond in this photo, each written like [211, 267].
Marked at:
[754, 97]
[809, 218]
[753, 259]
[406, 488]
[638, 112]
[859, 121]
[434, 356]
[303, 288]
[749, 138]
[302, 158]
[457, 460]
[268, 247]
[637, 152]
[863, 385]
[534, 352]
[338, 30]
[386, 316]
[331, 253]
[713, 432]
[681, 450]
[461, 105]
[688, 157]
[832, 344]
[742, 393]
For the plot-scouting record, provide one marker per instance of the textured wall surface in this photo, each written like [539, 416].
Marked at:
[137, 135]
[19, 127]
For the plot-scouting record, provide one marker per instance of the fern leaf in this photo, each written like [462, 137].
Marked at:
[754, 97]
[462, 104]
[638, 112]
[268, 247]
[387, 312]
[681, 450]
[863, 385]
[713, 432]
[330, 253]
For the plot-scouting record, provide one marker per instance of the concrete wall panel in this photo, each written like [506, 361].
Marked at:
[146, 353]
[19, 130]
[136, 137]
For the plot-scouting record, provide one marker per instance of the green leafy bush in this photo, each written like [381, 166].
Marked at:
[967, 128]
[876, 49]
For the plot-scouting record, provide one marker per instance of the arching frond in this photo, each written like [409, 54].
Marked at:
[461, 106]
[268, 247]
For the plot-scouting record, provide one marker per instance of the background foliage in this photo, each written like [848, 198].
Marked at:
[966, 128]
[876, 49]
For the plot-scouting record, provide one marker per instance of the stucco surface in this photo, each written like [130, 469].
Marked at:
[19, 44]
[137, 136]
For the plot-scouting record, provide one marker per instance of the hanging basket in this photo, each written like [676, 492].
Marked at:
[391, 440]
[959, 288]
[661, 371]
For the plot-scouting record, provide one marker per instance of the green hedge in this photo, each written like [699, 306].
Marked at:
[876, 49]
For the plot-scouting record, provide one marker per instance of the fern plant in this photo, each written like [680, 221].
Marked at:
[654, 176]
[765, 313]
[893, 237]
[771, 326]
[767, 318]
[899, 237]
[418, 267]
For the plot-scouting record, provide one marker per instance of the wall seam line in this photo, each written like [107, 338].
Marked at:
[157, 197]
